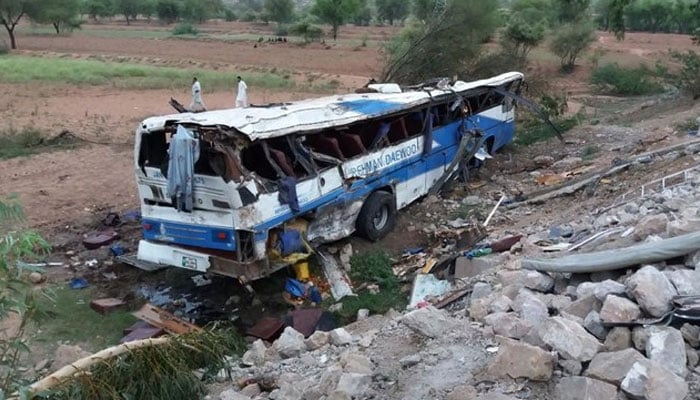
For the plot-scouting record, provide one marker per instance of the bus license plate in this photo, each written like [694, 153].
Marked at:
[189, 262]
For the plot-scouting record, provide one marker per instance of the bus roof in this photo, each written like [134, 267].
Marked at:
[318, 113]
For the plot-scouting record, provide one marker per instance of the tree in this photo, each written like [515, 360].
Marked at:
[522, 35]
[307, 30]
[335, 12]
[59, 13]
[128, 8]
[11, 11]
[201, 10]
[443, 45]
[147, 8]
[572, 10]
[363, 16]
[423, 9]
[98, 8]
[168, 11]
[392, 10]
[570, 40]
[280, 11]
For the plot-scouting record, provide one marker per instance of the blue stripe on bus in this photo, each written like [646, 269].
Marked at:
[372, 107]
[189, 234]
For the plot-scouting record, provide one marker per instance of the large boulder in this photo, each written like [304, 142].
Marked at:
[508, 325]
[569, 339]
[340, 337]
[593, 324]
[665, 346]
[356, 363]
[530, 307]
[619, 338]
[317, 340]
[582, 388]
[290, 343]
[429, 322]
[582, 306]
[686, 281]
[613, 366]
[650, 381]
[353, 384]
[619, 309]
[650, 225]
[652, 290]
[255, 356]
[600, 290]
[520, 360]
[537, 281]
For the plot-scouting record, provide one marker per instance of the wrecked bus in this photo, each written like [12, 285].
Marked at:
[245, 192]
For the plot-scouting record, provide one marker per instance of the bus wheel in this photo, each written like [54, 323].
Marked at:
[377, 216]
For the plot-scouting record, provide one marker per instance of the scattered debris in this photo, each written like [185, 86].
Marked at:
[107, 305]
[95, 240]
[164, 320]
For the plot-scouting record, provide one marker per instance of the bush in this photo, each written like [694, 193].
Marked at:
[168, 11]
[250, 16]
[613, 79]
[281, 30]
[307, 30]
[185, 28]
[689, 76]
[569, 41]
[229, 15]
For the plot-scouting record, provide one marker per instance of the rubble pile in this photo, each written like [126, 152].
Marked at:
[609, 334]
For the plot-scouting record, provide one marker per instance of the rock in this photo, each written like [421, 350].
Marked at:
[582, 388]
[429, 322]
[594, 326]
[571, 367]
[231, 394]
[317, 340]
[692, 356]
[530, 307]
[600, 290]
[583, 306]
[463, 392]
[650, 225]
[256, 354]
[681, 227]
[290, 343]
[619, 309]
[356, 363]
[480, 290]
[67, 354]
[691, 334]
[666, 347]
[619, 338]
[509, 277]
[472, 201]
[639, 338]
[652, 290]
[410, 361]
[543, 161]
[650, 381]
[329, 378]
[36, 278]
[556, 302]
[337, 396]
[520, 360]
[686, 281]
[340, 337]
[567, 164]
[44, 363]
[354, 385]
[500, 304]
[569, 338]
[479, 308]
[613, 366]
[345, 256]
[538, 281]
[251, 390]
[508, 325]
[362, 313]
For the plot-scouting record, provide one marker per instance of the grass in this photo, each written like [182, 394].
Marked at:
[539, 131]
[25, 69]
[72, 320]
[97, 32]
[617, 80]
[31, 141]
[373, 267]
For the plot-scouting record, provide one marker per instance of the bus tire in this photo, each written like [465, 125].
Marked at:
[377, 216]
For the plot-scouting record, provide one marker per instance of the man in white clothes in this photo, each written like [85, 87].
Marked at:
[197, 103]
[242, 95]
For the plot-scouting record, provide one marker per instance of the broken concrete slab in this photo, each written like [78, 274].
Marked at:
[469, 268]
[652, 290]
[290, 343]
[650, 381]
[480, 290]
[613, 366]
[429, 322]
[520, 360]
[508, 325]
[619, 309]
[666, 347]
[582, 388]
[569, 339]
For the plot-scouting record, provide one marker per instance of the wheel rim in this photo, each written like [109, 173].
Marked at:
[380, 218]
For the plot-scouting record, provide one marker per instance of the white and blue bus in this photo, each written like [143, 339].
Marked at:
[264, 182]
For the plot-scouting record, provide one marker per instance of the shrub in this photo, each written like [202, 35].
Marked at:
[689, 76]
[281, 30]
[307, 30]
[613, 79]
[185, 28]
[229, 15]
[569, 41]
[250, 16]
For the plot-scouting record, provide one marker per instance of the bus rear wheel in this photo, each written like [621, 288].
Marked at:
[377, 217]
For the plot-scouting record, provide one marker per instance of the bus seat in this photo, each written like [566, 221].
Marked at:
[351, 144]
[398, 131]
[283, 161]
[328, 146]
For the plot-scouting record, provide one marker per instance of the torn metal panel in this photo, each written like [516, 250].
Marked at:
[334, 223]
[339, 282]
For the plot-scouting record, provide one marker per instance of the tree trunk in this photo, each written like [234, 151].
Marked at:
[335, 32]
[57, 27]
[11, 33]
[128, 21]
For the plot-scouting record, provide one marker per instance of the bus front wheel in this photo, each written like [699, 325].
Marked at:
[377, 217]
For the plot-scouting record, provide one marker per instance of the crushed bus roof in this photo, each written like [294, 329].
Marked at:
[317, 113]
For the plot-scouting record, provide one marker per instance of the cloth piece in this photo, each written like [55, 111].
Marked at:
[288, 192]
[184, 153]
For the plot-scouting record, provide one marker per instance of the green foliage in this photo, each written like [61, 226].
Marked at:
[335, 12]
[570, 40]
[128, 8]
[230, 14]
[62, 14]
[307, 30]
[11, 11]
[185, 28]
[523, 33]
[281, 30]
[250, 16]
[168, 11]
[31, 141]
[443, 45]
[147, 8]
[569, 11]
[392, 10]
[156, 372]
[98, 8]
[539, 131]
[613, 79]
[363, 16]
[423, 9]
[280, 11]
[689, 76]
[18, 299]
[200, 10]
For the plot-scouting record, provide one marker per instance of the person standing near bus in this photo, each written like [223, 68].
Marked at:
[242, 94]
[197, 103]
